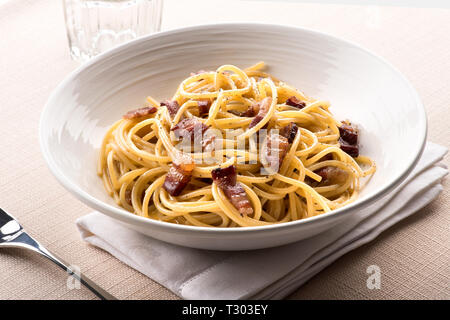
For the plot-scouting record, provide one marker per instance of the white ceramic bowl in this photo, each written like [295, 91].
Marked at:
[360, 85]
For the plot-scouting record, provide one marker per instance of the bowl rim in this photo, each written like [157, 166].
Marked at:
[126, 216]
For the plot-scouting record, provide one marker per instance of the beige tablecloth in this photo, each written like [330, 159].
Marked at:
[413, 256]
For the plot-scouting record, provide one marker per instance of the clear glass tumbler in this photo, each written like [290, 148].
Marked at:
[94, 26]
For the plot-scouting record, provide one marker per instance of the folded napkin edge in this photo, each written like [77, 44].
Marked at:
[431, 194]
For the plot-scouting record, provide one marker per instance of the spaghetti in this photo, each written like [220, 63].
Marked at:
[276, 155]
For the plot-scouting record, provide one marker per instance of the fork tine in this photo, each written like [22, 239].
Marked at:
[4, 217]
[10, 229]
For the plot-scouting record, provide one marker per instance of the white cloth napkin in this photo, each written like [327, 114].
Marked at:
[268, 273]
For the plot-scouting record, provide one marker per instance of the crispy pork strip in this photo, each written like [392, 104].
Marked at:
[348, 133]
[226, 179]
[203, 106]
[348, 140]
[179, 174]
[277, 147]
[332, 175]
[189, 128]
[251, 111]
[295, 102]
[172, 106]
[351, 149]
[176, 180]
[264, 106]
[209, 144]
[289, 131]
[139, 113]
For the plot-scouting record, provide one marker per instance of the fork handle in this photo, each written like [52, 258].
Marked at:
[88, 283]
[26, 241]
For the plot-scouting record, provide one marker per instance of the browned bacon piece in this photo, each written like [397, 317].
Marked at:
[351, 149]
[348, 140]
[179, 174]
[251, 111]
[176, 180]
[349, 133]
[264, 106]
[139, 113]
[203, 106]
[332, 175]
[172, 106]
[278, 145]
[189, 128]
[226, 179]
[209, 144]
[289, 131]
[295, 102]
[277, 148]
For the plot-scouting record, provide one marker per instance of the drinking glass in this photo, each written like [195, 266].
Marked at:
[94, 26]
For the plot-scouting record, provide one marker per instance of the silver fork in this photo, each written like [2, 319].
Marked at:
[12, 235]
